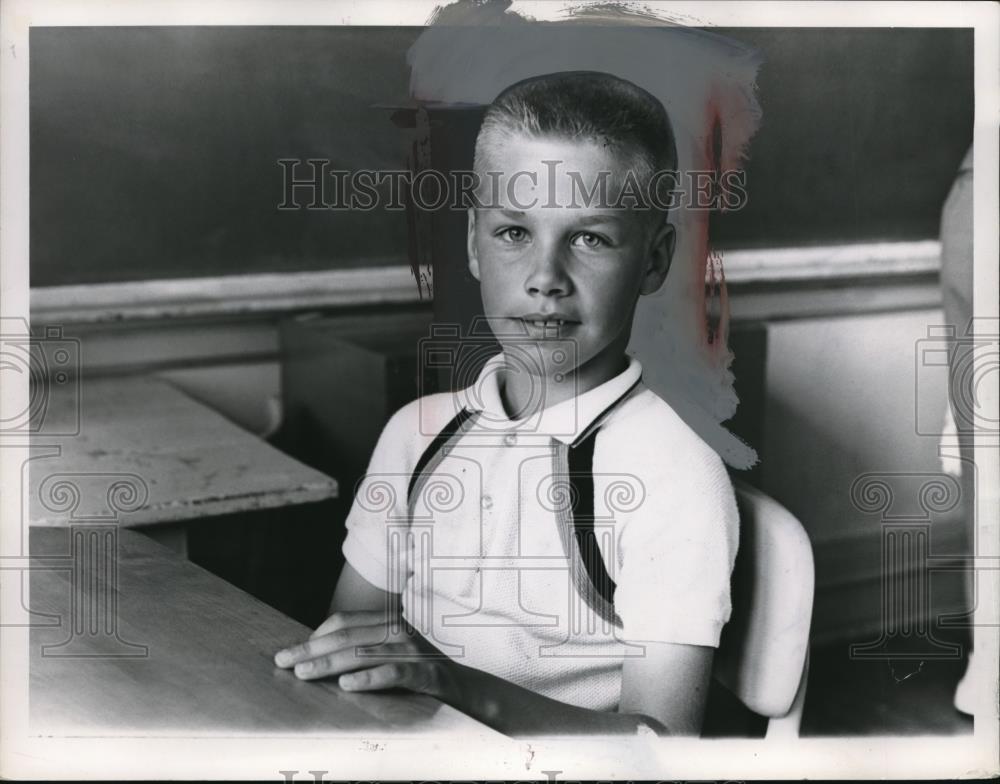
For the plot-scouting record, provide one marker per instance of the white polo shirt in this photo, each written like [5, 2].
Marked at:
[484, 553]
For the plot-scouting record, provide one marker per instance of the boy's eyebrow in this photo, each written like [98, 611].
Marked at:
[604, 217]
[616, 218]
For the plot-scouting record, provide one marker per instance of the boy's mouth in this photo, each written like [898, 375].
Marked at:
[548, 325]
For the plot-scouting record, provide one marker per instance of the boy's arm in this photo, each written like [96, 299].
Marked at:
[354, 592]
[665, 690]
[669, 683]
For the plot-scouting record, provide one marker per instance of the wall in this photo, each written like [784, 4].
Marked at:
[232, 365]
[844, 398]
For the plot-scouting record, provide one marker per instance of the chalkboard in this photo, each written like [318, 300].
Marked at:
[154, 151]
[862, 135]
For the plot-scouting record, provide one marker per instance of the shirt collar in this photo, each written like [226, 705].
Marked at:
[565, 421]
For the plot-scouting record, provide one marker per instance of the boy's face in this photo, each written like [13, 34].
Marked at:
[566, 272]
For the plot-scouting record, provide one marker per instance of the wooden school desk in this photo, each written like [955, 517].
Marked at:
[140, 451]
[143, 642]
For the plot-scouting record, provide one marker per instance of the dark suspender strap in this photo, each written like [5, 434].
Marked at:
[581, 477]
[436, 446]
[599, 419]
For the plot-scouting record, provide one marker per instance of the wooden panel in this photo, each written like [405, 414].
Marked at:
[333, 426]
[184, 460]
[852, 613]
[339, 423]
[192, 655]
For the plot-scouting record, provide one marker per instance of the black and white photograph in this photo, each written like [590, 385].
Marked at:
[493, 389]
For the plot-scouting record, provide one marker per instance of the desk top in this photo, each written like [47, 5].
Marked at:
[144, 452]
[187, 653]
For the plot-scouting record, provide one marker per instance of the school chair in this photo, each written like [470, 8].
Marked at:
[763, 656]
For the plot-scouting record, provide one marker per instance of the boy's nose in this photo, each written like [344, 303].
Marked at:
[548, 275]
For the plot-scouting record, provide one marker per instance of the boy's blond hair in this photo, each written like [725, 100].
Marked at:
[588, 106]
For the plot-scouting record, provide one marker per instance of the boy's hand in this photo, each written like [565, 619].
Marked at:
[371, 650]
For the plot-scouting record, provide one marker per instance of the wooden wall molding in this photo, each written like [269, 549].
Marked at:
[231, 295]
[778, 284]
[764, 284]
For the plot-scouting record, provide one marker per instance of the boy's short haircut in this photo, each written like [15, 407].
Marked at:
[584, 106]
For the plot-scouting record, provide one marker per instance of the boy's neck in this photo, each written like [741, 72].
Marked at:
[519, 392]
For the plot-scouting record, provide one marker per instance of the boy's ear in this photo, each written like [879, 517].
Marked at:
[661, 253]
[470, 244]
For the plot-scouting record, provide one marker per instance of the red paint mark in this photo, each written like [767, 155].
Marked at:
[418, 223]
[711, 297]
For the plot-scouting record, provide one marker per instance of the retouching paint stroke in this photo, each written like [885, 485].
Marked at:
[471, 51]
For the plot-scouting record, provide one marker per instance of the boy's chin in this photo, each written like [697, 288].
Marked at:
[549, 360]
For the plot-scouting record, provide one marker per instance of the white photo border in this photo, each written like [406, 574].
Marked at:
[207, 757]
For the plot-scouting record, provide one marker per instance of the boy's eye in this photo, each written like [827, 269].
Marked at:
[513, 234]
[590, 241]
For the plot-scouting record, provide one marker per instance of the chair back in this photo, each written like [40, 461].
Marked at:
[763, 651]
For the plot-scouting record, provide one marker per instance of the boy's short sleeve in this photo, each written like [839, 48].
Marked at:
[379, 505]
[677, 552]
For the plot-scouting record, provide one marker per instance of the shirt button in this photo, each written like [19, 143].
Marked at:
[487, 502]
[510, 439]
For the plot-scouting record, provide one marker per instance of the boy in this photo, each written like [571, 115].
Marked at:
[578, 537]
